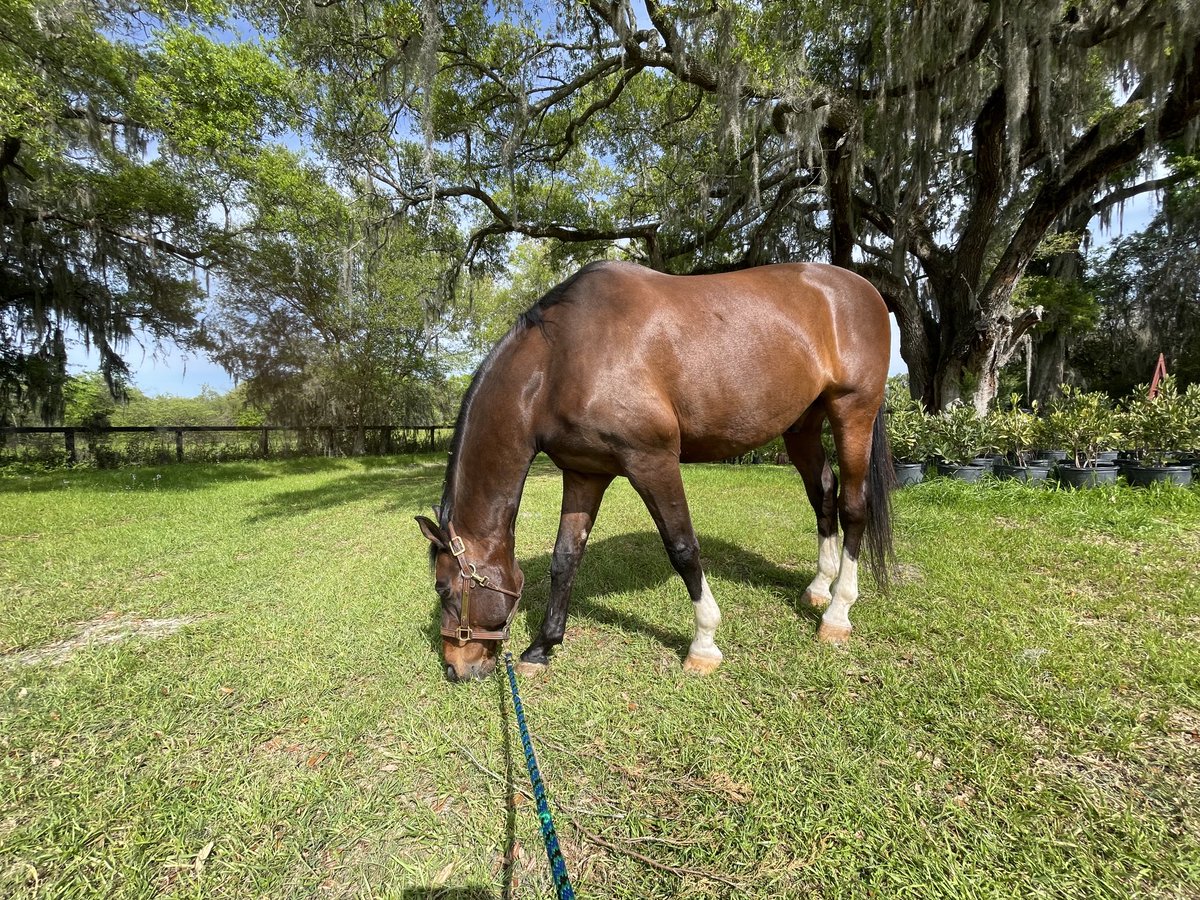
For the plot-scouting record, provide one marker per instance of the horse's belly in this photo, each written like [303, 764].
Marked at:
[740, 434]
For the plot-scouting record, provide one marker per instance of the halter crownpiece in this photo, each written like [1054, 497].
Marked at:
[470, 578]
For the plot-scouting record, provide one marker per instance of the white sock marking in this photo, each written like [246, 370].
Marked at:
[827, 565]
[844, 591]
[708, 617]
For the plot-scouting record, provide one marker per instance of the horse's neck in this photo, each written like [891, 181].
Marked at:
[491, 463]
[487, 498]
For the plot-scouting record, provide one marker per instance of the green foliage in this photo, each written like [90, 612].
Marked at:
[335, 310]
[1147, 285]
[89, 401]
[1083, 424]
[1016, 432]
[1067, 304]
[958, 435]
[908, 428]
[125, 133]
[1161, 428]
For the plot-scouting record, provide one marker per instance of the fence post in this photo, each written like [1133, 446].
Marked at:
[264, 444]
[431, 439]
[178, 445]
[387, 441]
[69, 439]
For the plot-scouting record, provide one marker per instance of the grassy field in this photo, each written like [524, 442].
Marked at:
[261, 712]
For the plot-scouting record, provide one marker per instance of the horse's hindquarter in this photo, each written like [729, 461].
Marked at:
[706, 366]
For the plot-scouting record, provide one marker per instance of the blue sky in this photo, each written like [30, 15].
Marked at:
[168, 371]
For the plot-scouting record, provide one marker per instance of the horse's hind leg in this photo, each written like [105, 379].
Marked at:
[660, 485]
[851, 418]
[807, 454]
[582, 494]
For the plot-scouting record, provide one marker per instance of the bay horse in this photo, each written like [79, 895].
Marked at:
[625, 371]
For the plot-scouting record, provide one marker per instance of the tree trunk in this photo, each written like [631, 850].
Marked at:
[1049, 361]
[974, 346]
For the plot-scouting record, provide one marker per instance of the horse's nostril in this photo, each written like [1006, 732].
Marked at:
[451, 675]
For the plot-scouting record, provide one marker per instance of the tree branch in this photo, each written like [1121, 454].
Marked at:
[73, 112]
[1090, 161]
[1120, 195]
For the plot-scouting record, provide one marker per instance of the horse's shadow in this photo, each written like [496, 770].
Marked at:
[636, 561]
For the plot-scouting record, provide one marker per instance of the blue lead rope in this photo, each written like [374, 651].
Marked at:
[558, 865]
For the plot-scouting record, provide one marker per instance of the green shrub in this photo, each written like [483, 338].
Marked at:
[1083, 424]
[957, 434]
[1160, 429]
[1015, 431]
[907, 426]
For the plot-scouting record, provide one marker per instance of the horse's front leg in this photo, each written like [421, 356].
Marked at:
[660, 485]
[582, 494]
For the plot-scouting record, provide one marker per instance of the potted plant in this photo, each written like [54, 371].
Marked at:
[1084, 424]
[908, 434]
[1159, 428]
[1016, 432]
[956, 438]
[1191, 399]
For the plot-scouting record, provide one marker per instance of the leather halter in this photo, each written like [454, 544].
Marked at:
[470, 578]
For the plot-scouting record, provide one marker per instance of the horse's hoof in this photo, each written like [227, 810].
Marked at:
[838, 635]
[701, 665]
[531, 669]
[815, 600]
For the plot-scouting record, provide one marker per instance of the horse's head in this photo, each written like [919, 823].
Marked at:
[479, 584]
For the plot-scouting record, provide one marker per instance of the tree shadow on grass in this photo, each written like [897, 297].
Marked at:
[467, 892]
[411, 482]
[188, 477]
[191, 476]
[407, 490]
[636, 561]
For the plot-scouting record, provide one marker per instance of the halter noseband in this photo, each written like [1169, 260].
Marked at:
[463, 631]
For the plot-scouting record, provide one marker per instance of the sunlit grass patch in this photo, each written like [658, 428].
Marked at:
[1018, 717]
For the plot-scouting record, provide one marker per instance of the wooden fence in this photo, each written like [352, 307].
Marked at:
[326, 436]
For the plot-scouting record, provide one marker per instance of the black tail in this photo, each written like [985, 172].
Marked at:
[881, 480]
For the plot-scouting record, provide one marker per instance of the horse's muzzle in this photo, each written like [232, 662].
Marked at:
[471, 672]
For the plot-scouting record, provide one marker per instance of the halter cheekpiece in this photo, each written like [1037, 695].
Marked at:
[470, 579]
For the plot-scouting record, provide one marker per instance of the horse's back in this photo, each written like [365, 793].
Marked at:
[718, 363]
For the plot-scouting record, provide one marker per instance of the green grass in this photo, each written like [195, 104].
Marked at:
[1021, 717]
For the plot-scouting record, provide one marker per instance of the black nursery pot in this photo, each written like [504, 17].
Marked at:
[1144, 476]
[1054, 456]
[909, 472]
[1086, 476]
[970, 473]
[1029, 474]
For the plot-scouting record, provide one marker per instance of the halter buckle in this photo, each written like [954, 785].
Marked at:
[457, 547]
[463, 633]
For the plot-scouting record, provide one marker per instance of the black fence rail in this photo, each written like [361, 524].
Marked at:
[121, 444]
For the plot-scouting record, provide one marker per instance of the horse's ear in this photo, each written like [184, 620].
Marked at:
[430, 529]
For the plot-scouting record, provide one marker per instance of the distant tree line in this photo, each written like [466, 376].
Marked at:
[89, 404]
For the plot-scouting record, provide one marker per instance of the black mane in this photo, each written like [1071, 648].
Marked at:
[560, 293]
